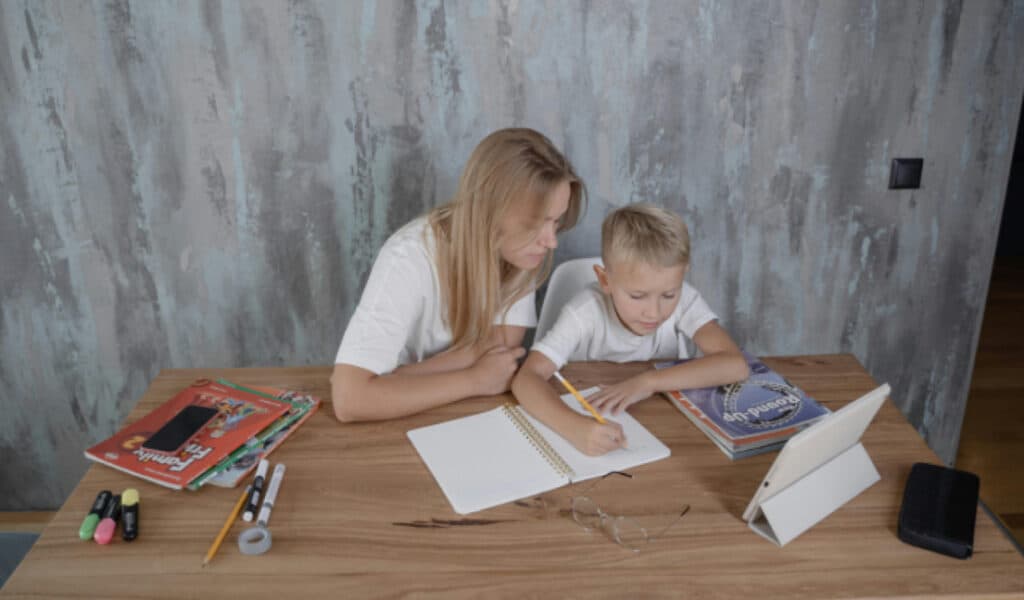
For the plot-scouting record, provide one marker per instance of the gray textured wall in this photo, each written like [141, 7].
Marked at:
[206, 183]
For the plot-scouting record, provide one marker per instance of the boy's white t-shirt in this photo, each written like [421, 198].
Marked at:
[400, 318]
[588, 328]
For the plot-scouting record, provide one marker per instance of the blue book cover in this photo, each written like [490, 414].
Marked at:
[764, 409]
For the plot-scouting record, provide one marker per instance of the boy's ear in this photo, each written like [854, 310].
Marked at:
[602, 278]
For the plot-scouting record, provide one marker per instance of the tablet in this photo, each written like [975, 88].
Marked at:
[818, 444]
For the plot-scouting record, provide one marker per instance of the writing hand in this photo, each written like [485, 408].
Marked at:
[594, 438]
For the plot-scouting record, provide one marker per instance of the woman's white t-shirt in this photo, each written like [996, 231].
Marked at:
[400, 318]
[589, 329]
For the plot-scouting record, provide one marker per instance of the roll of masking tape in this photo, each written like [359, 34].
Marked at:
[254, 540]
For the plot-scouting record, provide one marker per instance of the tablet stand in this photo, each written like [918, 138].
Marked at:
[788, 513]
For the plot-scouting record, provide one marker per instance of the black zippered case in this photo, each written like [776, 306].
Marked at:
[939, 508]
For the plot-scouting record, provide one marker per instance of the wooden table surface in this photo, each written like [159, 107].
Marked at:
[359, 515]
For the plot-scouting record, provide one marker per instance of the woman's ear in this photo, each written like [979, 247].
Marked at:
[602, 278]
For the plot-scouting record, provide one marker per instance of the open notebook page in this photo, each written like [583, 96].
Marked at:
[483, 460]
[643, 446]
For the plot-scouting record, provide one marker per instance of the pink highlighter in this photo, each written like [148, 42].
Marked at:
[111, 514]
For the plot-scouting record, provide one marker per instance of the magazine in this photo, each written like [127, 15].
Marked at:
[233, 469]
[749, 417]
[241, 415]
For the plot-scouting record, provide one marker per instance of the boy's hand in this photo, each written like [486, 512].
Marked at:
[617, 398]
[595, 439]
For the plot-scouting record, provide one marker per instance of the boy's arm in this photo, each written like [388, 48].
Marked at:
[530, 387]
[722, 363]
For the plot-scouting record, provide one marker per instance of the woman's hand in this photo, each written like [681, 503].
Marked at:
[494, 369]
[617, 398]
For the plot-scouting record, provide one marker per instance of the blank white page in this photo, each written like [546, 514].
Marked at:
[483, 460]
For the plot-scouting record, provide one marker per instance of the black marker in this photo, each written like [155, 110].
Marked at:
[88, 527]
[130, 513]
[257, 489]
[105, 530]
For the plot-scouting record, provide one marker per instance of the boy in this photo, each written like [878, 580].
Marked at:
[639, 309]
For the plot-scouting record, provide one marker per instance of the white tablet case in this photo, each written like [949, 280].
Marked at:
[817, 471]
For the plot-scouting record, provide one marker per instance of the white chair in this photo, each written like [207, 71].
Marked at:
[567, 279]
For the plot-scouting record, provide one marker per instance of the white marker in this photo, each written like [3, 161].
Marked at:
[268, 502]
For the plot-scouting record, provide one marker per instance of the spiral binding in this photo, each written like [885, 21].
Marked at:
[537, 441]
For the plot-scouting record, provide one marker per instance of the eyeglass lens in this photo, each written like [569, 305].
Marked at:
[586, 512]
[628, 533]
[623, 530]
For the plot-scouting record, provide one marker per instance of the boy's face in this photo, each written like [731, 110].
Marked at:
[644, 295]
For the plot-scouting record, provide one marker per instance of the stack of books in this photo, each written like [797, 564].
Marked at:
[750, 417]
[212, 432]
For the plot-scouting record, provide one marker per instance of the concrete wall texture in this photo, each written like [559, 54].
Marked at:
[195, 183]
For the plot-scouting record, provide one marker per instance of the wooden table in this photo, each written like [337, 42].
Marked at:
[359, 515]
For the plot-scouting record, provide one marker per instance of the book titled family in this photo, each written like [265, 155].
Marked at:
[749, 417]
[237, 465]
[236, 416]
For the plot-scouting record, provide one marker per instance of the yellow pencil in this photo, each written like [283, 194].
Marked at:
[580, 398]
[227, 526]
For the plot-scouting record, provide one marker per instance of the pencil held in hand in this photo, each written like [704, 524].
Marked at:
[227, 526]
[579, 398]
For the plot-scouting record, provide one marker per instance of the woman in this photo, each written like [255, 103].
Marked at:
[451, 294]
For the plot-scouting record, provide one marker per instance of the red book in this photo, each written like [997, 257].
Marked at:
[241, 416]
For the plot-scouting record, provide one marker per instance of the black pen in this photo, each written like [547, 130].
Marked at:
[253, 503]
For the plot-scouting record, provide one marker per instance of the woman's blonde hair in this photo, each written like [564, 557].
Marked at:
[645, 233]
[509, 166]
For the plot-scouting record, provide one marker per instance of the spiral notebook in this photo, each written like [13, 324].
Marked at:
[505, 454]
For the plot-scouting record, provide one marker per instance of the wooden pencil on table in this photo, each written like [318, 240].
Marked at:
[227, 526]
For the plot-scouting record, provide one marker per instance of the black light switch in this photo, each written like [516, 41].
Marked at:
[906, 173]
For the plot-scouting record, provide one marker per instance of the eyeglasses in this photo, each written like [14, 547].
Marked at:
[624, 531]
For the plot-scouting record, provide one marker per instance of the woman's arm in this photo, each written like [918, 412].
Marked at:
[361, 395]
[454, 360]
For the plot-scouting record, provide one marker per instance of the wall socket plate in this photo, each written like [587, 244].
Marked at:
[905, 173]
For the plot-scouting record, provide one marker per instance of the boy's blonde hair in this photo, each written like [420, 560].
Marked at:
[509, 166]
[645, 233]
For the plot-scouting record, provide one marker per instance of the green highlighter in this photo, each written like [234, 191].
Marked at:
[88, 527]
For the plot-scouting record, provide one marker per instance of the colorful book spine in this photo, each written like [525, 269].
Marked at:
[751, 416]
[233, 469]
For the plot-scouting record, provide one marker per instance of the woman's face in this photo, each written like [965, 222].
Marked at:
[524, 246]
